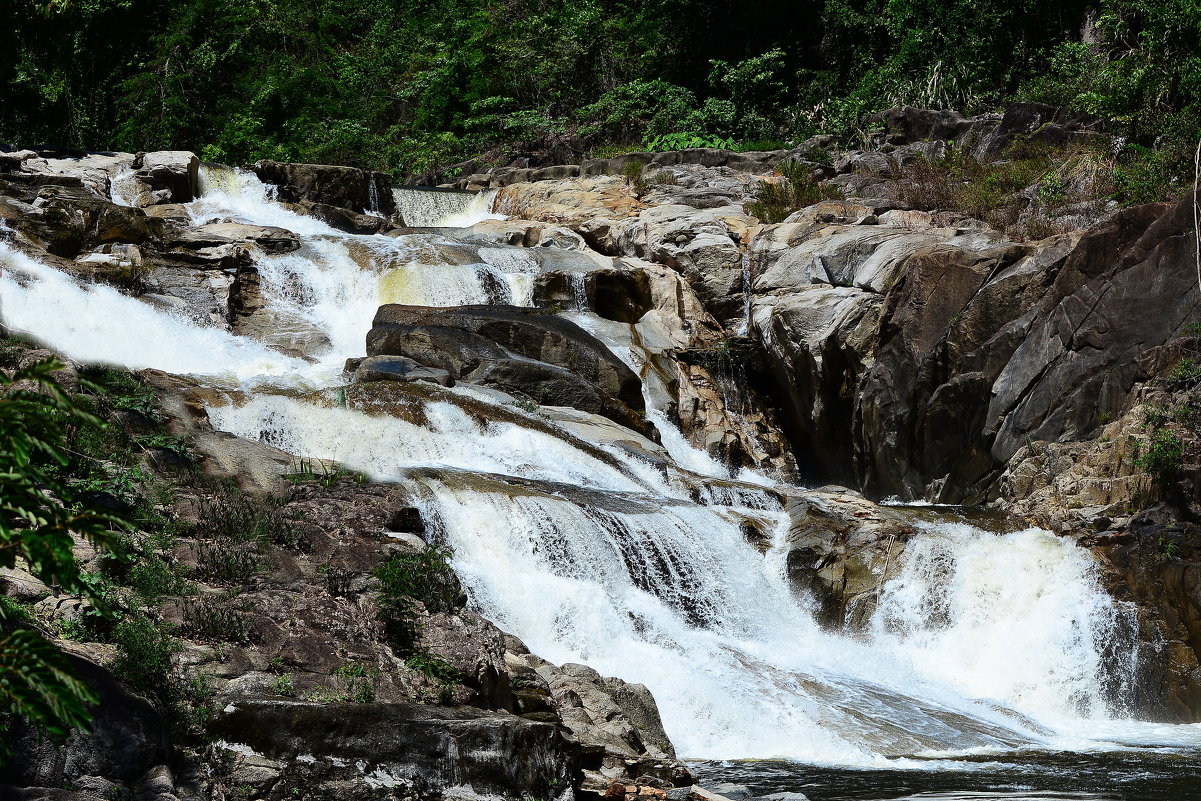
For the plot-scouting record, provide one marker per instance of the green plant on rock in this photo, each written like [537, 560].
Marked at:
[357, 682]
[284, 685]
[798, 186]
[1163, 456]
[407, 579]
[217, 622]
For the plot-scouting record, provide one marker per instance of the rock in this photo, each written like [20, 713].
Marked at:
[347, 188]
[128, 737]
[404, 745]
[841, 549]
[346, 220]
[173, 175]
[546, 358]
[398, 368]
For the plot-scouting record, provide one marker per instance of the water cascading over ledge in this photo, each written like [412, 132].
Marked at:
[627, 560]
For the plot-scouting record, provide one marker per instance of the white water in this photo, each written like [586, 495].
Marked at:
[589, 555]
[428, 208]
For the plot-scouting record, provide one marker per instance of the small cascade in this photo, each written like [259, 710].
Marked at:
[744, 327]
[579, 291]
[373, 207]
[124, 187]
[436, 208]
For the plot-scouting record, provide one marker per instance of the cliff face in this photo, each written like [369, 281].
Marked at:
[619, 326]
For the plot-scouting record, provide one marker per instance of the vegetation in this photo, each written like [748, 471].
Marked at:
[797, 187]
[40, 516]
[408, 87]
[407, 579]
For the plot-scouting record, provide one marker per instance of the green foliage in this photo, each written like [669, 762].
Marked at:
[215, 621]
[405, 579]
[37, 684]
[1186, 374]
[414, 87]
[798, 186]
[153, 577]
[686, 140]
[144, 651]
[1163, 455]
[357, 682]
[284, 685]
[240, 522]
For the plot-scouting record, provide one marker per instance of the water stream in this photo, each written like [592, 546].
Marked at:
[984, 645]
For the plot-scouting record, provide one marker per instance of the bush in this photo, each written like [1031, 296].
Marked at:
[1163, 456]
[144, 651]
[215, 622]
[797, 188]
[424, 577]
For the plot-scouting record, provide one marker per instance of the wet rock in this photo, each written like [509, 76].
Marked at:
[319, 187]
[841, 549]
[399, 368]
[171, 175]
[546, 358]
[408, 746]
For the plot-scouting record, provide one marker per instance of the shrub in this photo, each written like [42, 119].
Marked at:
[144, 651]
[426, 577]
[1163, 456]
[687, 140]
[797, 188]
[226, 562]
[153, 577]
[357, 681]
[214, 622]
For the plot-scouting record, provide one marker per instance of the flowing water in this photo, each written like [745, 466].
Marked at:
[981, 672]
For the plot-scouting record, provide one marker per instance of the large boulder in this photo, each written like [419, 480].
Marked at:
[128, 736]
[332, 750]
[358, 190]
[546, 358]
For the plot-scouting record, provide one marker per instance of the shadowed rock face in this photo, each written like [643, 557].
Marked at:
[128, 737]
[406, 746]
[340, 187]
[546, 358]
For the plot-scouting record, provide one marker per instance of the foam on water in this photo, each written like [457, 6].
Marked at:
[99, 324]
[437, 209]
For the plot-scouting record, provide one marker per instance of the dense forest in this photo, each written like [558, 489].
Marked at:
[410, 85]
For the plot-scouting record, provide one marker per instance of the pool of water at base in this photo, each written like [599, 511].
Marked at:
[1128, 775]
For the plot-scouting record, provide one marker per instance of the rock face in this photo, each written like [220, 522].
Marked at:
[128, 738]
[926, 358]
[347, 188]
[331, 750]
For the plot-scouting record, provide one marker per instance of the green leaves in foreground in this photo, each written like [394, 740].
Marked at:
[37, 512]
[36, 683]
[38, 518]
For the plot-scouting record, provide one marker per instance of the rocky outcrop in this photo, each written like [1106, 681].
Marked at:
[345, 750]
[540, 356]
[319, 187]
[128, 738]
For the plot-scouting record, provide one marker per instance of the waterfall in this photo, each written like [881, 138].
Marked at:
[123, 186]
[591, 553]
[744, 326]
[434, 208]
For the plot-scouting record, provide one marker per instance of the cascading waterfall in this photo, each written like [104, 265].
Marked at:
[434, 208]
[595, 555]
